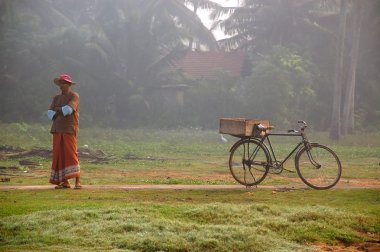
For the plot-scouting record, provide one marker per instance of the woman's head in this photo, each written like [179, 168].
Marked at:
[64, 78]
[64, 82]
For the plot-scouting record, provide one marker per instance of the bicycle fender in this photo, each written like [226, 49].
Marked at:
[238, 142]
[300, 149]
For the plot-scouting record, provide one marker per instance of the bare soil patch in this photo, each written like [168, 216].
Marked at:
[343, 182]
[99, 157]
[360, 247]
[182, 175]
[94, 156]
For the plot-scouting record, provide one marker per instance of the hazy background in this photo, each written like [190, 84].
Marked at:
[122, 51]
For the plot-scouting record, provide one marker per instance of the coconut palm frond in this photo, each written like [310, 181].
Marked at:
[189, 21]
[202, 4]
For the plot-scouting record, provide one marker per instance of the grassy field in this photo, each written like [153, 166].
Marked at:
[181, 220]
[146, 220]
[183, 156]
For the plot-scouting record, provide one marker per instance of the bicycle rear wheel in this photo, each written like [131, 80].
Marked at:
[319, 167]
[249, 162]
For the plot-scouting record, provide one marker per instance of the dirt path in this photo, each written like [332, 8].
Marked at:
[182, 187]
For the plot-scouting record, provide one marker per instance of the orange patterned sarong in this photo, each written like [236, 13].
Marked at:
[65, 163]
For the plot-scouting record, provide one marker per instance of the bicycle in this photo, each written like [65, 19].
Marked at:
[250, 160]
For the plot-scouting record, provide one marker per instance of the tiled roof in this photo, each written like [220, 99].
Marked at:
[205, 65]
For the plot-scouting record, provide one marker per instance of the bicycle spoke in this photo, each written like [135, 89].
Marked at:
[252, 175]
[319, 167]
[245, 181]
[253, 165]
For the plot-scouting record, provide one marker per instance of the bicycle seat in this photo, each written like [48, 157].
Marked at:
[263, 128]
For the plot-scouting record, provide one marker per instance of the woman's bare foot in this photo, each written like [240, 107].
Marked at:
[63, 185]
[77, 183]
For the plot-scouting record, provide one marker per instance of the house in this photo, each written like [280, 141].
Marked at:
[172, 95]
[198, 65]
[207, 65]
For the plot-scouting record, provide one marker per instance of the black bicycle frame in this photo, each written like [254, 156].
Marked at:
[303, 142]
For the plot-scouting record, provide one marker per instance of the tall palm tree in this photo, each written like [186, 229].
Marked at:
[348, 120]
[260, 24]
[114, 47]
[335, 130]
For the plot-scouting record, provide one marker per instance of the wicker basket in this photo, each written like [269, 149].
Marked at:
[241, 127]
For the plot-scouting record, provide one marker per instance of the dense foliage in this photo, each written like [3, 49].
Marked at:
[119, 52]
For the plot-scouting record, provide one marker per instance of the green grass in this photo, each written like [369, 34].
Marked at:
[146, 220]
[181, 220]
[182, 156]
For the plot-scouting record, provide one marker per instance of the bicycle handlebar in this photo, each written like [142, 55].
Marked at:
[303, 127]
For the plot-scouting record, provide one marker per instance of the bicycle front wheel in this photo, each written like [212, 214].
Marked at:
[319, 167]
[249, 162]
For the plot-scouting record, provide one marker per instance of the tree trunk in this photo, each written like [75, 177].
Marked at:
[337, 95]
[348, 119]
[191, 41]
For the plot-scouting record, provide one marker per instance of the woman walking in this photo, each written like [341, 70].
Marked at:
[64, 112]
